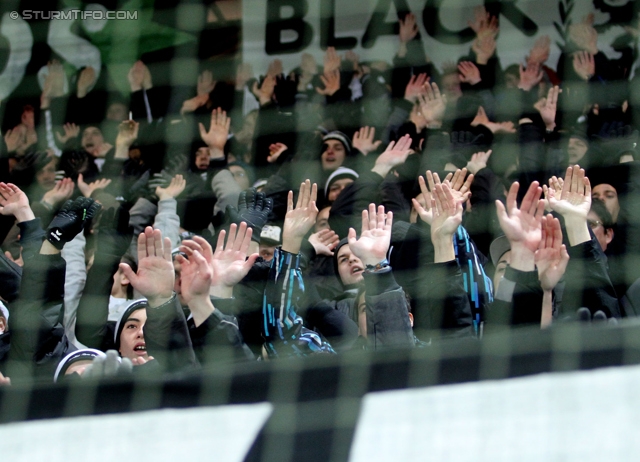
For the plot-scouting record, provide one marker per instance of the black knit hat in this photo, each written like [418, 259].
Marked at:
[73, 357]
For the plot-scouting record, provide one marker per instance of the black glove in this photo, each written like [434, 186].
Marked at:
[254, 209]
[71, 220]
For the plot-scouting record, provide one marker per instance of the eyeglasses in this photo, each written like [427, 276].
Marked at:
[593, 224]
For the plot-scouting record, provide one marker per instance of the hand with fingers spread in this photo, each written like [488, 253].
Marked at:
[299, 220]
[196, 276]
[375, 237]
[218, 132]
[522, 225]
[551, 257]
[432, 105]
[62, 191]
[584, 64]
[530, 77]
[395, 154]
[253, 209]
[331, 81]
[232, 262]
[478, 161]
[331, 61]
[483, 24]
[324, 241]
[574, 204]
[88, 189]
[422, 203]
[469, 73]
[447, 216]
[363, 140]
[415, 87]
[459, 183]
[155, 276]
[547, 107]
[71, 131]
[13, 201]
[175, 188]
[584, 35]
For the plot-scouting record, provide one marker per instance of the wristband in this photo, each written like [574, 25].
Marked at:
[384, 264]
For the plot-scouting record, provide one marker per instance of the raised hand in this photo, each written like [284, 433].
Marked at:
[15, 139]
[375, 236]
[458, 182]
[481, 118]
[432, 105]
[530, 77]
[574, 204]
[53, 83]
[196, 274]
[469, 73]
[275, 150]
[218, 132]
[415, 87]
[424, 212]
[331, 61]
[139, 77]
[70, 131]
[395, 154]
[447, 216]
[13, 201]
[155, 277]
[584, 65]
[173, 190]
[478, 161]
[484, 48]
[540, 51]
[86, 79]
[232, 262]
[522, 226]
[299, 220]
[87, 189]
[584, 35]
[483, 24]
[264, 92]
[408, 28]
[324, 241]
[62, 191]
[551, 257]
[127, 133]
[244, 73]
[331, 81]
[363, 140]
[547, 107]
[205, 83]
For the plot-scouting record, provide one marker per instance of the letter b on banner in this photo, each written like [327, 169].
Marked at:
[276, 24]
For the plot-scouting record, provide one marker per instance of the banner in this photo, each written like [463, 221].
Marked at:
[285, 29]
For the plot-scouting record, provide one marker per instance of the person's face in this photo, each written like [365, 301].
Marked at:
[132, 337]
[240, 176]
[336, 188]
[266, 251]
[91, 139]
[202, 159]
[322, 220]
[606, 193]
[46, 177]
[333, 155]
[576, 149]
[362, 316]
[501, 267]
[350, 267]
[117, 112]
[604, 236]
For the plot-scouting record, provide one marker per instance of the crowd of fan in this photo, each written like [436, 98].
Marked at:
[333, 208]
